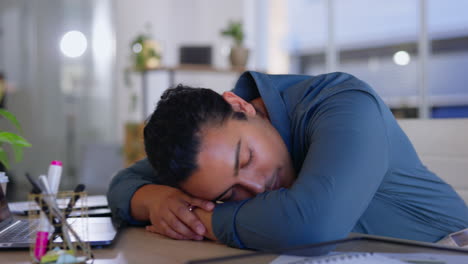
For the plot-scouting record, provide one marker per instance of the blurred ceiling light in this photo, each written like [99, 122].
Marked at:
[73, 44]
[401, 58]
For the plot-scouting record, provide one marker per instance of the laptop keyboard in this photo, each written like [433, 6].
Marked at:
[19, 231]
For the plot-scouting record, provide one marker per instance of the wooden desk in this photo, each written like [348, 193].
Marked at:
[135, 245]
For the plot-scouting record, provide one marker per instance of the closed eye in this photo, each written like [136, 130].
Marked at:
[229, 195]
[220, 198]
[249, 161]
[225, 196]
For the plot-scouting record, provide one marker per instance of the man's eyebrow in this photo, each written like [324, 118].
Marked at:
[236, 159]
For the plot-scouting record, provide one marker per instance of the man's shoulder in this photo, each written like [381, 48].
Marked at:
[311, 92]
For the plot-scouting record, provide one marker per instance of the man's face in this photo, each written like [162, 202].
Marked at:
[240, 159]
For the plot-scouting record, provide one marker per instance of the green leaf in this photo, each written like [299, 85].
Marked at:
[14, 139]
[234, 30]
[4, 158]
[10, 117]
[18, 153]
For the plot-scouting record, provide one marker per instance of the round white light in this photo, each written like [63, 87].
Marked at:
[401, 58]
[137, 48]
[73, 44]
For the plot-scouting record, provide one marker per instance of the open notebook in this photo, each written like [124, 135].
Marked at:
[362, 249]
[339, 258]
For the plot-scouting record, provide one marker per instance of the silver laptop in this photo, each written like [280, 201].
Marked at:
[19, 233]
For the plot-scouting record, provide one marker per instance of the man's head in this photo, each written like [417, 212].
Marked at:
[215, 147]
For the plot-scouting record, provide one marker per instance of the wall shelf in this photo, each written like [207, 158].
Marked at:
[181, 68]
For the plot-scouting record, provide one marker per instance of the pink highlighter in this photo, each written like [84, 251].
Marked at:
[42, 239]
[42, 235]
[51, 182]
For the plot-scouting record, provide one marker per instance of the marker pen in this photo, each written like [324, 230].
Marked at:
[42, 237]
[48, 197]
[54, 209]
[54, 175]
[45, 184]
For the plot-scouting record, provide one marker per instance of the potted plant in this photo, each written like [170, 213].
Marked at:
[146, 53]
[239, 54]
[16, 142]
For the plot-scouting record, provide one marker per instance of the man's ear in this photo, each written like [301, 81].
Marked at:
[239, 104]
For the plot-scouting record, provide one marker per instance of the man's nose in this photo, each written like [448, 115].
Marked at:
[253, 183]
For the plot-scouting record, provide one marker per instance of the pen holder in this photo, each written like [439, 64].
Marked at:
[59, 226]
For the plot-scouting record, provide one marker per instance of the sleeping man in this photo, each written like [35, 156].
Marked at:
[282, 160]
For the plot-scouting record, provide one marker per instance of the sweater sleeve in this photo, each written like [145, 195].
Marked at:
[346, 161]
[122, 187]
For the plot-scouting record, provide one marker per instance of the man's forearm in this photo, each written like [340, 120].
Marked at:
[139, 208]
[123, 187]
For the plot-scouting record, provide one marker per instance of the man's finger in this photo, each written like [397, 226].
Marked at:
[173, 234]
[152, 229]
[191, 220]
[180, 227]
[205, 205]
[169, 232]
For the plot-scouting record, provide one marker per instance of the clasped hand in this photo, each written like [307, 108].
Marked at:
[170, 215]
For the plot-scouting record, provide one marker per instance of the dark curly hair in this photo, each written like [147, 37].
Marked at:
[171, 136]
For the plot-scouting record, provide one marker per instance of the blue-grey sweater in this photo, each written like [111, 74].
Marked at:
[357, 171]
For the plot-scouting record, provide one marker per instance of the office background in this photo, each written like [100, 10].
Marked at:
[413, 52]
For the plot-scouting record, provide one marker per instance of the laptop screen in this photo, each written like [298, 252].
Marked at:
[4, 210]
